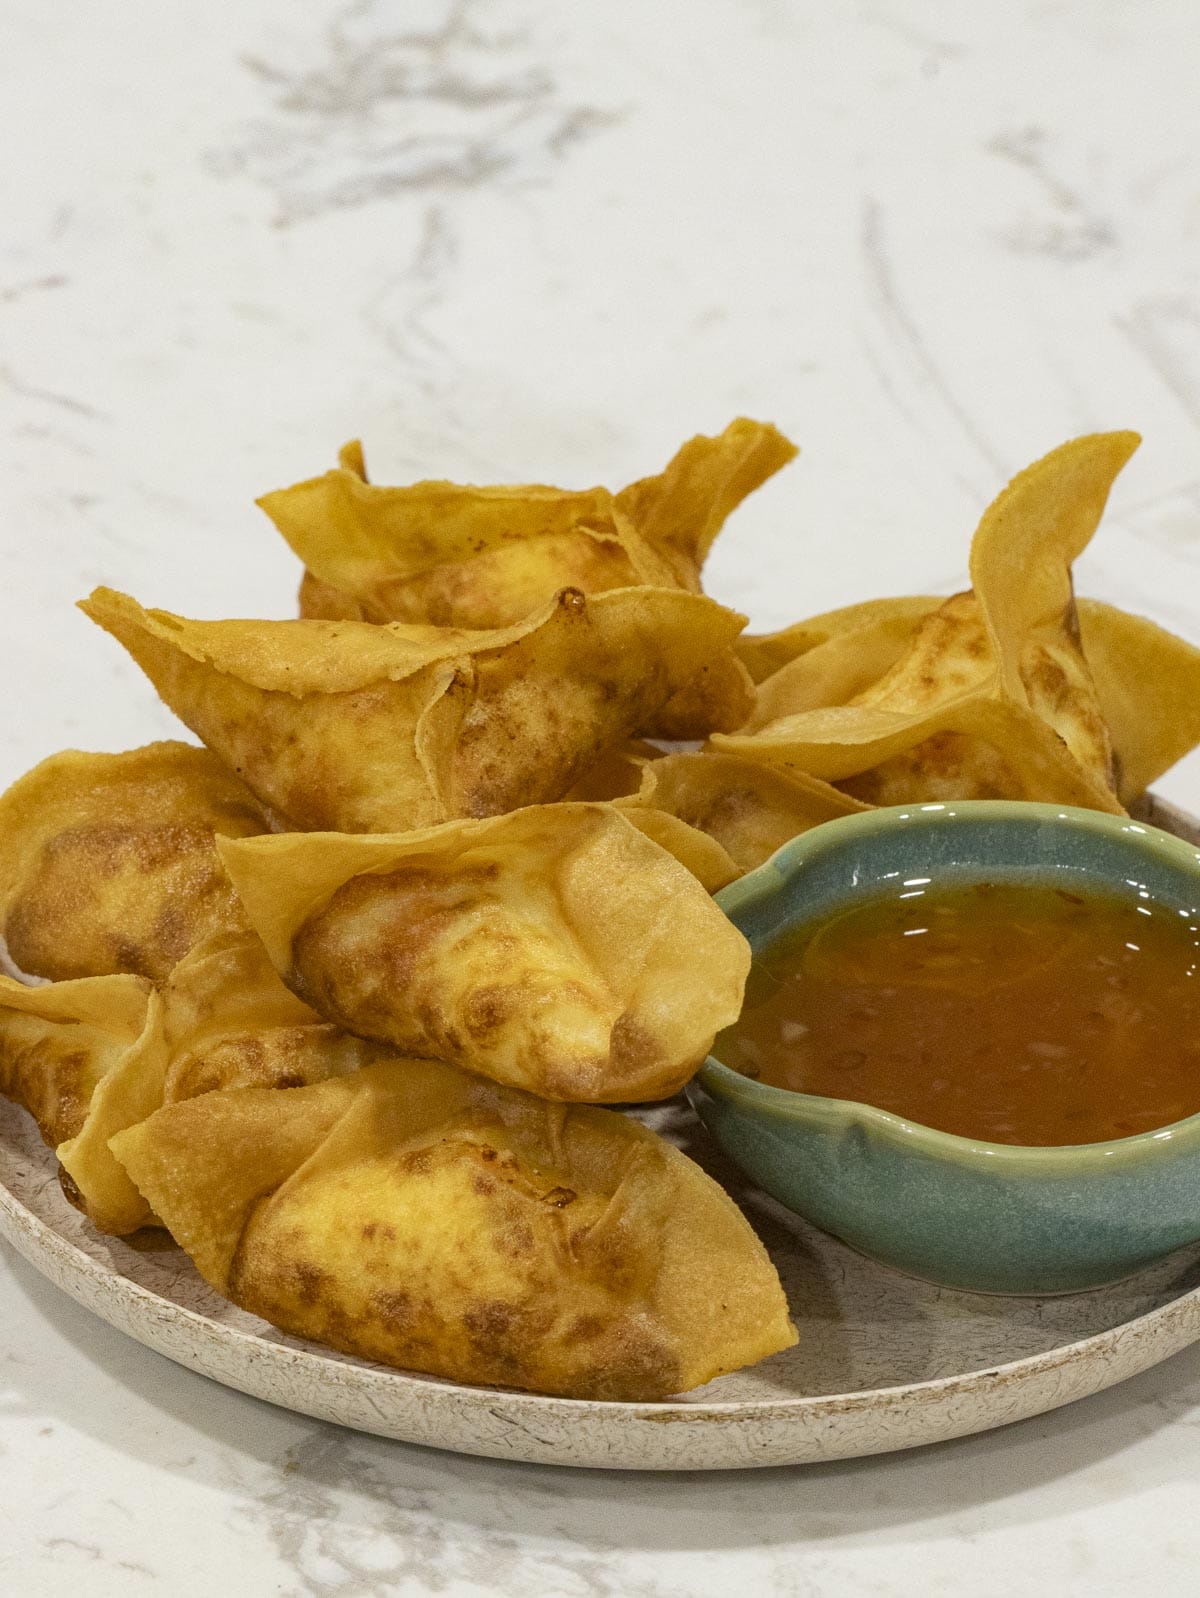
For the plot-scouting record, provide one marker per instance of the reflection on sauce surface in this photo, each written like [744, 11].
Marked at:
[1011, 1013]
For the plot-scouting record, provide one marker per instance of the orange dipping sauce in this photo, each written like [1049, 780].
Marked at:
[1006, 1012]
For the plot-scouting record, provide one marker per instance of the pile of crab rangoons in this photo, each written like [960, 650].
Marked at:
[335, 997]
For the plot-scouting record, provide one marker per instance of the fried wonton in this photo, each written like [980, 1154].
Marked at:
[556, 948]
[747, 808]
[718, 699]
[362, 728]
[459, 556]
[993, 696]
[107, 862]
[1147, 680]
[419, 1216]
[64, 1048]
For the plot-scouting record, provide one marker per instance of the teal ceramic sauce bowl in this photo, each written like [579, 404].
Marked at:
[988, 1217]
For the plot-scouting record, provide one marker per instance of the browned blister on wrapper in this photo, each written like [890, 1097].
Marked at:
[108, 864]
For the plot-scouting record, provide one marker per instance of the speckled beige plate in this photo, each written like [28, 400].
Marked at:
[883, 1362]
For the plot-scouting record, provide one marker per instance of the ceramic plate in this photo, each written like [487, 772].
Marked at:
[884, 1362]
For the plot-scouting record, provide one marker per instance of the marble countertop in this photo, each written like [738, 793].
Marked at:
[505, 239]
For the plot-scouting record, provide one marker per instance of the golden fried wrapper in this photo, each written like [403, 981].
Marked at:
[980, 748]
[1021, 559]
[719, 815]
[718, 699]
[58, 1039]
[354, 727]
[107, 862]
[1148, 683]
[707, 859]
[747, 808]
[323, 602]
[223, 1020]
[763, 654]
[983, 737]
[679, 513]
[67, 1048]
[229, 1022]
[619, 774]
[993, 697]
[1147, 680]
[460, 556]
[556, 948]
[419, 1216]
[843, 665]
[448, 555]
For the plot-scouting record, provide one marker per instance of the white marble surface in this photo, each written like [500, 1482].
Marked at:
[512, 239]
